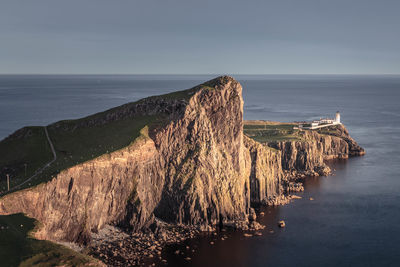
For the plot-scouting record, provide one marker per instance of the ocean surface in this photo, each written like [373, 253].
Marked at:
[354, 219]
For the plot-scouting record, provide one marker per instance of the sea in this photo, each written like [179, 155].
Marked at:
[354, 217]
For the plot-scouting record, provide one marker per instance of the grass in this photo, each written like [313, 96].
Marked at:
[266, 131]
[86, 143]
[184, 95]
[331, 130]
[28, 146]
[18, 248]
[72, 146]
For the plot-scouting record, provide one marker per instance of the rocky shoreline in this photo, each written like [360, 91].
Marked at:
[116, 247]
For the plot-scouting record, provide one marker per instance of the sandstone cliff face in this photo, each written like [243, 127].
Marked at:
[340, 131]
[307, 157]
[266, 174]
[206, 163]
[196, 167]
[85, 197]
[193, 169]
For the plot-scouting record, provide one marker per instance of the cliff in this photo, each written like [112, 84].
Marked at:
[304, 152]
[307, 157]
[266, 173]
[191, 167]
[353, 149]
[181, 157]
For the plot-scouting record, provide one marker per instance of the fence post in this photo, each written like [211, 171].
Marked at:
[8, 182]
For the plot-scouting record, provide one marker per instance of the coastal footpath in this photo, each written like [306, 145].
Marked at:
[185, 158]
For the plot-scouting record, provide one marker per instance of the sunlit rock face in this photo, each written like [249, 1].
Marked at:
[196, 167]
[206, 164]
[193, 169]
[266, 174]
[307, 157]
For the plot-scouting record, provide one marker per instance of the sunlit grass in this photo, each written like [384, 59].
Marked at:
[266, 131]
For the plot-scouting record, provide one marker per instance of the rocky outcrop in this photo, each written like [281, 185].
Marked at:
[340, 131]
[266, 174]
[307, 157]
[205, 161]
[195, 167]
[192, 169]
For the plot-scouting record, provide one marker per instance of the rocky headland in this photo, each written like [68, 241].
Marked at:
[189, 164]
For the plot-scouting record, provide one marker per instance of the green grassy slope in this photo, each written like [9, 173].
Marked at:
[17, 248]
[27, 146]
[265, 131]
[72, 147]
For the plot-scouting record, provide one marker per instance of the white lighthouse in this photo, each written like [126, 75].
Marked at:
[337, 119]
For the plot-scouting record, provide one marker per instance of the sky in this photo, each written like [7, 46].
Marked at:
[199, 37]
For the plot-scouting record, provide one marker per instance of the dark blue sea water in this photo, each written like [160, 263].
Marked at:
[354, 219]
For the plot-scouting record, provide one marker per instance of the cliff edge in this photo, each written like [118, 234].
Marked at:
[181, 158]
[190, 167]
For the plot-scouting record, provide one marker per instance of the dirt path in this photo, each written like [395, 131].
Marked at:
[39, 171]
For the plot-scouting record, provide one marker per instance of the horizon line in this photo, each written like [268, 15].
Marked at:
[199, 74]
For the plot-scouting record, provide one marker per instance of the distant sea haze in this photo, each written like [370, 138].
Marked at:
[354, 218]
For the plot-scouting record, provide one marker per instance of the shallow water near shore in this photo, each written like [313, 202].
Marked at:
[354, 217]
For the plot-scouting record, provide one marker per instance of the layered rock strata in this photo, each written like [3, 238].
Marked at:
[193, 169]
[196, 168]
[307, 157]
[266, 173]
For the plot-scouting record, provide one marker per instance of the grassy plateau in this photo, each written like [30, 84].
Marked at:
[267, 131]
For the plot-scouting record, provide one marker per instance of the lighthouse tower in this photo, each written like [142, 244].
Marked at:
[337, 119]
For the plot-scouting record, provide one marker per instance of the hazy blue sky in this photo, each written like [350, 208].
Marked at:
[201, 36]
